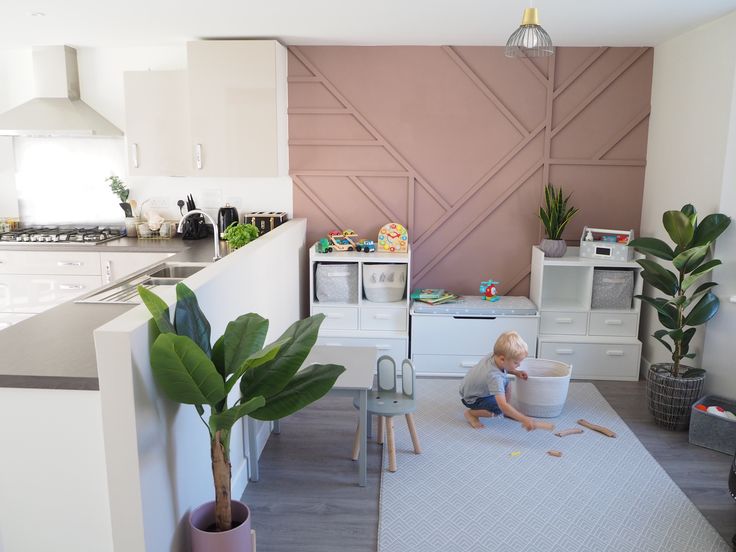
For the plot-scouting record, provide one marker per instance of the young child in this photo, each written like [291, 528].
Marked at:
[485, 389]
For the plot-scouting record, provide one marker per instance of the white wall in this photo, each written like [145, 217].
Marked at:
[692, 97]
[101, 84]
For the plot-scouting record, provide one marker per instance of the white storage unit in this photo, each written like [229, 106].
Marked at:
[599, 343]
[353, 320]
[449, 339]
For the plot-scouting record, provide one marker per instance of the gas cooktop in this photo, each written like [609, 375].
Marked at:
[51, 235]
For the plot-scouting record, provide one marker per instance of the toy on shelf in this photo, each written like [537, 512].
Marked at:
[351, 236]
[393, 237]
[602, 243]
[489, 290]
[339, 241]
[367, 246]
[323, 246]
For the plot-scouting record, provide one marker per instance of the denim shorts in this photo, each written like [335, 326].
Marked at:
[484, 403]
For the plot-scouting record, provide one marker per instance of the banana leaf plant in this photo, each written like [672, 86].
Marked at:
[555, 214]
[189, 370]
[684, 306]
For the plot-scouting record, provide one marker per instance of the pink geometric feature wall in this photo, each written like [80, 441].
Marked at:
[456, 143]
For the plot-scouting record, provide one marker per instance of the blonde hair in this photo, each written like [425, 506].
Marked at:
[511, 345]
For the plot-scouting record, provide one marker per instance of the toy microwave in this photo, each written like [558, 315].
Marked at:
[602, 243]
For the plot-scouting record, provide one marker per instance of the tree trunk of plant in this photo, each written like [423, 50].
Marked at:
[221, 472]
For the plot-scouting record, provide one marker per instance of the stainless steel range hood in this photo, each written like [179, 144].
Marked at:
[57, 111]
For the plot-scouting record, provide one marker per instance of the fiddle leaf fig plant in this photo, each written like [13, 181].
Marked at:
[684, 306]
[189, 370]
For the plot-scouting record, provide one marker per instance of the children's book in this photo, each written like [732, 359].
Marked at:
[446, 297]
[427, 293]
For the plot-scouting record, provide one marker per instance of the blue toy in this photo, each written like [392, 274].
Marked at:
[489, 290]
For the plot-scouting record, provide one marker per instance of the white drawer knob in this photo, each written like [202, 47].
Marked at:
[334, 344]
[381, 316]
[468, 364]
[563, 320]
[615, 353]
[383, 347]
[564, 351]
[613, 322]
[71, 286]
[69, 263]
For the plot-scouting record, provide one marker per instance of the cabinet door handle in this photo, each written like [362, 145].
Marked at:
[334, 344]
[108, 272]
[71, 286]
[468, 364]
[335, 315]
[383, 347]
[134, 154]
[615, 352]
[731, 299]
[563, 320]
[613, 322]
[382, 316]
[564, 351]
[198, 155]
[69, 263]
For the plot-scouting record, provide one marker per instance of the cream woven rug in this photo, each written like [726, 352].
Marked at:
[495, 488]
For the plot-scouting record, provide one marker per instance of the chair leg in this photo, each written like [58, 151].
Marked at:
[356, 442]
[379, 435]
[413, 433]
[391, 444]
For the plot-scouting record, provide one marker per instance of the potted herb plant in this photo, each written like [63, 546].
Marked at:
[672, 388]
[118, 188]
[555, 214]
[238, 234]
[188, 369]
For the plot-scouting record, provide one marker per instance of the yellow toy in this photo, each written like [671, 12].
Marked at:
[393, 238]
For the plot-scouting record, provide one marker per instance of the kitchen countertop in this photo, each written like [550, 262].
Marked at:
[55, 349]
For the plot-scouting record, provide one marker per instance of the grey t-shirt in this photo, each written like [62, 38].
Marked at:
[483, 380]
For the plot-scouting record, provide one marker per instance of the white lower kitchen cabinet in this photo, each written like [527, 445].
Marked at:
[34, 293]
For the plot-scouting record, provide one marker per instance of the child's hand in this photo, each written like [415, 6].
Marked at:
[521, 374]
[528, 424]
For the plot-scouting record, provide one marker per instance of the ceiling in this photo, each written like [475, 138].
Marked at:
[99, 23]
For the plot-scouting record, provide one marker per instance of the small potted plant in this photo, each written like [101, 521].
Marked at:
[238, 234]
[672, 388]
[188, 369]
[118, 188]
[555, 214]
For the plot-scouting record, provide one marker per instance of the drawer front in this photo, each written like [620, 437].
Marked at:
[564, 323]
[396, 348]
[614, 361]
[467, 336]
[624, 324]
[383, 319]
[338, 318]
[33, 294]
[444, 364]
[49, 262]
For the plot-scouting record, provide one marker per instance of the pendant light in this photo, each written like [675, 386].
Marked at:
[530, 39]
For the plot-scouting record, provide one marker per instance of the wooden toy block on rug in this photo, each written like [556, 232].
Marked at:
[555, 453]
[566, 432]
[544, 425]
[600, 429]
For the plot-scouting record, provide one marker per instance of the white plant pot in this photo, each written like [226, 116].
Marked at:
[544, 393]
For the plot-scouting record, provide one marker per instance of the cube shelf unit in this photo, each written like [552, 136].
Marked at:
[363, 323]
[600, 344]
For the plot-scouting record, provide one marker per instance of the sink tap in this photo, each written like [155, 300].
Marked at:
[214, 226]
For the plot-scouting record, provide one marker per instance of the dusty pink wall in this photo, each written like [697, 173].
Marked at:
[456, 143]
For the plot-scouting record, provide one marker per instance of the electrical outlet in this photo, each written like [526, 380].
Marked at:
[160, 202]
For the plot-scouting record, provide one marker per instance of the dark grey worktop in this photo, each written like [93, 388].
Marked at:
[55, 349]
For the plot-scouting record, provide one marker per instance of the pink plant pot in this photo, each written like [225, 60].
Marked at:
[204, 539]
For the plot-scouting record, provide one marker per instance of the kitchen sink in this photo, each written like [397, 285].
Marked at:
[126, 292]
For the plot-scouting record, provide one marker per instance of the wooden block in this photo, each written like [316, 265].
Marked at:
[544, 425]
[556, 453]
[600, 429]
[566, 432]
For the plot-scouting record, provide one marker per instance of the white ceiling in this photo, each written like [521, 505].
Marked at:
[94, 23]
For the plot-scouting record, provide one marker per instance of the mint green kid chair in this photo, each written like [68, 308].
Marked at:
[386, 402]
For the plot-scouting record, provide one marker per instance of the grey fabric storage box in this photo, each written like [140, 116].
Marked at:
[710, 430]
[336, 282]
[612, 289]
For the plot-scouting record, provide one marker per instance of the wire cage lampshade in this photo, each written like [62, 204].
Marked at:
[530, 39]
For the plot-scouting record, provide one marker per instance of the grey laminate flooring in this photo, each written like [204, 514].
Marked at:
[307, 499]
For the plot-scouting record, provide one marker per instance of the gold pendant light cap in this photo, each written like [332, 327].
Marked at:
[531, 17]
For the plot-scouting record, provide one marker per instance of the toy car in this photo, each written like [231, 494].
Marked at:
[351, 235]
[368, 246]
[340, 242]
[323, 246]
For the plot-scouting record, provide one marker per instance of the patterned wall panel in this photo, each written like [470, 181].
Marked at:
[456, 143]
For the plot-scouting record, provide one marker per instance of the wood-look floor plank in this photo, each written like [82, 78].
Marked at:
[307, 498]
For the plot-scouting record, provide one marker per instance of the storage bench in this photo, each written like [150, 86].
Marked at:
[449, 339]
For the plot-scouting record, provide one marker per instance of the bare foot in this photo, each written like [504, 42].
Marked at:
[472, 420]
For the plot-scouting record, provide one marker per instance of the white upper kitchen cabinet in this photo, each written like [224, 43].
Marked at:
[157, 123]
[238, 100]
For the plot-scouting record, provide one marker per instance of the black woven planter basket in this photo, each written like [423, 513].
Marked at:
[669, 398]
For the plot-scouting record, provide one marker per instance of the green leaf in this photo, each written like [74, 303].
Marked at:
[158, 308]
[656, 275]
[308, 385]
[687, 336]
[243, 337]
[271, 377]
[183, 371]
[704, 310]
[679, 227]
[190, 320]
[225, 420]
[200, 409]
[660, 304]
[698, 272]
[653, 246]
[693, 372]
[690, 259]
[256, 359]
[710, 228]
[663, 342]
[218, 356]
